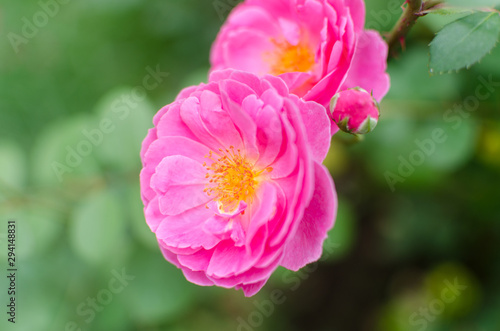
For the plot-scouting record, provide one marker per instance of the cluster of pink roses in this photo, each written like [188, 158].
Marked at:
[232, 180]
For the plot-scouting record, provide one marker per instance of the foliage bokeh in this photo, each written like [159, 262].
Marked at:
[392, 251]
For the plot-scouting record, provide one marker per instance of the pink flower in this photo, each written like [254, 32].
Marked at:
[232, 183]
[355, 111]
[318, 47]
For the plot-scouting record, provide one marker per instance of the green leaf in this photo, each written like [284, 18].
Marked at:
[415, 65]
[159, 292]
[98, 228]
[37, 300]
[140, 228]
[475, 3]
[457, 149]
[449, 10]
[125, 115]
[62, 152]
[115, 317]
[464, 42]
[425, 150]
[12, 167]
[40, 228]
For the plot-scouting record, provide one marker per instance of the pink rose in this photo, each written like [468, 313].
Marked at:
[318, 47]
[232, 183]
[355, 111]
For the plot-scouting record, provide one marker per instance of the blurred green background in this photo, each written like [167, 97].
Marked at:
[422, 254]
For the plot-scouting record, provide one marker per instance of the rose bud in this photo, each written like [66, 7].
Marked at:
[354, 111]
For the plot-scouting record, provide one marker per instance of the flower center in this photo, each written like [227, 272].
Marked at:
[231, 179]
[291, 58]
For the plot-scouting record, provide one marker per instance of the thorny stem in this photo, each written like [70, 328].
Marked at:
[413, 10]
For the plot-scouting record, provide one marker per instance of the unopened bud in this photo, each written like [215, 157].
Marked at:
[354, 111]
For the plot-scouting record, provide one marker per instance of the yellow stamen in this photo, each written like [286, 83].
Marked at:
[232, 179]
[290, 58]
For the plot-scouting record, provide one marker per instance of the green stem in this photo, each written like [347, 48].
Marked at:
[410, 15]
[349, 138]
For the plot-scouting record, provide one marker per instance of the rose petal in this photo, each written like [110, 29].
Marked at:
[186, 230]
[305, 246]
[369, 65]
